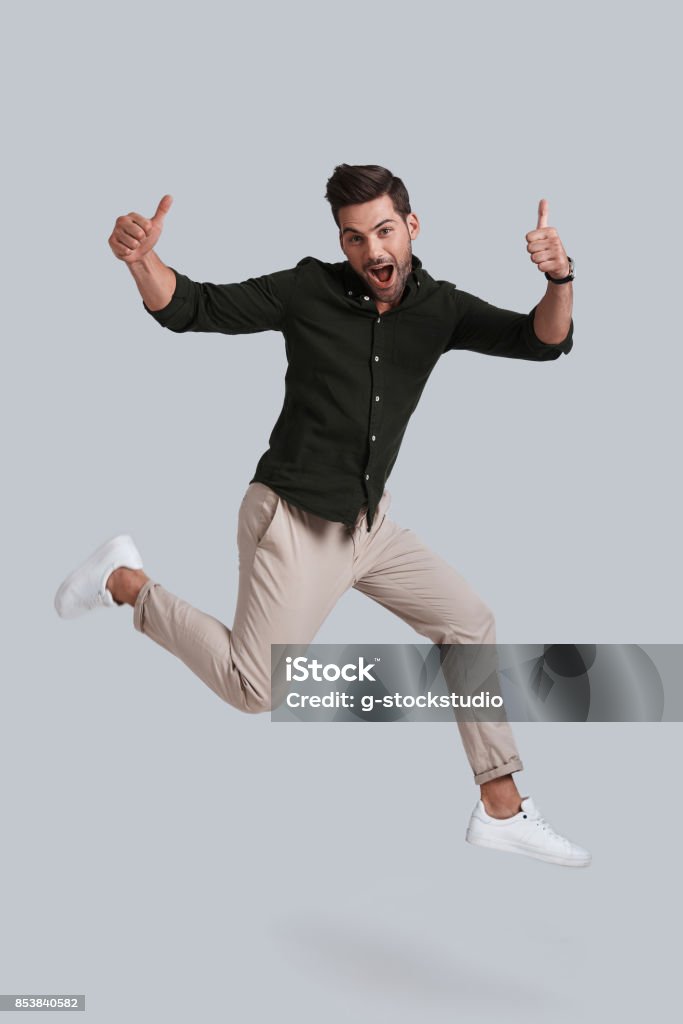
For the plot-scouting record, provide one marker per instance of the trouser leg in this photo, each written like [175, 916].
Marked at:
[293, 567]
[396, 569]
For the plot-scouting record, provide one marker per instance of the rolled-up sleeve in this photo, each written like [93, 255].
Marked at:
[482, 327]
[245, 307]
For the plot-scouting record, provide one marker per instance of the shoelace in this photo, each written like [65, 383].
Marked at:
[547, 827]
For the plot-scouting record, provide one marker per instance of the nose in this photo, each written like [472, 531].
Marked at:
[376, 256]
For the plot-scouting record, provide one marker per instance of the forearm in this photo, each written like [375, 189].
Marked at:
[553, 314]
[156, 282]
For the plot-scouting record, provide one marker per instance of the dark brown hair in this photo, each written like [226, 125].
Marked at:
[359, 183]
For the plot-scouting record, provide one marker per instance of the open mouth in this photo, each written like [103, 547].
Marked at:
[382, 275]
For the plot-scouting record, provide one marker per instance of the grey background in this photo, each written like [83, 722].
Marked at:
[161, 853]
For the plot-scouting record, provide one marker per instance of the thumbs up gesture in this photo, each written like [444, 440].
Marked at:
[545, 247]
[134, 235]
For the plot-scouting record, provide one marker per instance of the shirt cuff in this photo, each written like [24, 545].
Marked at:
[183, 288]
[542, 349]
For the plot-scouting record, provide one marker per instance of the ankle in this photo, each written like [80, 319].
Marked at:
[506, 810]
[500, 797]
[125, 584]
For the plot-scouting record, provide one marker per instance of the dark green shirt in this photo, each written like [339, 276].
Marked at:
[354, 376]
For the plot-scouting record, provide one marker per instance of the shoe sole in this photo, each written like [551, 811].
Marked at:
[508, 847]
[100, 553]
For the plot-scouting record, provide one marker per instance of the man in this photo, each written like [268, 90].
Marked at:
[362, 337]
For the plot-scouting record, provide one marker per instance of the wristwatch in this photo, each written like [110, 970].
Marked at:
[564, 280]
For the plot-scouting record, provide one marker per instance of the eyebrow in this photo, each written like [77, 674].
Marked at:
[387, 220]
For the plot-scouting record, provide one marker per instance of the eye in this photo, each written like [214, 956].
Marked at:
[352, 238]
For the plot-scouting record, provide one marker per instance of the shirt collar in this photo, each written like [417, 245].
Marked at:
[355, 285]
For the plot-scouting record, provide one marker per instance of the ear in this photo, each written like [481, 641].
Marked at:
[413, 225]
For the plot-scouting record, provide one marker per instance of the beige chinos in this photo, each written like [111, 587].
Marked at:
[293, 568]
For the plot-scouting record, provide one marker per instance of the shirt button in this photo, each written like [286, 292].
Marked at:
[349, 293]
[379, 319]
[366, 297]
[367, 476]
[376, 359]
[377, 398]
[373, 437]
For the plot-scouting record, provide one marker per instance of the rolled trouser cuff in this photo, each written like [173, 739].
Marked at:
[138, 607]
[514, 764]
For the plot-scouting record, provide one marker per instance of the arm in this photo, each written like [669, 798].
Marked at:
[176, 302]
[132, 241]
[481, 327]
[156, 282]
[554, 313]
[546, 331]
[245, 307]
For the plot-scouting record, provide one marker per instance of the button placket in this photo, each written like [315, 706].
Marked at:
[376, 394]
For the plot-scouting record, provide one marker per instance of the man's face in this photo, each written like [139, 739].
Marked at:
[372, 234]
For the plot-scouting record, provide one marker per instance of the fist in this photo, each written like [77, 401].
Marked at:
[544, 246]
[134, 235]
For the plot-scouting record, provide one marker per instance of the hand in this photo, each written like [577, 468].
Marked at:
[546, 249]
[134, 235]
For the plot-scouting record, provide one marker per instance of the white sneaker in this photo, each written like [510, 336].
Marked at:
[526, 832]
[85, 588]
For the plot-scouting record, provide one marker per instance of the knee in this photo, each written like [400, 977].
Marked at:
[252, 694]
[265, 697]
[478, 628]
[250, 687]
[256, 702]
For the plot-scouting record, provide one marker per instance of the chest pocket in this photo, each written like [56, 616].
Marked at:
[418, 342]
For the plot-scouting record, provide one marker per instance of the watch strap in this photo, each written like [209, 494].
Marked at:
[563, 280]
